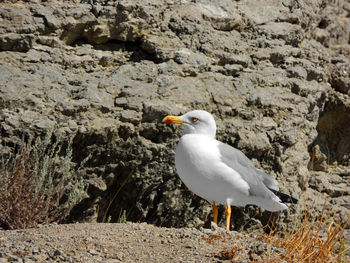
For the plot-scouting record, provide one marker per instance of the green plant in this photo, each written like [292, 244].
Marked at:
[122, 218]
[105, 215]
[39, 184]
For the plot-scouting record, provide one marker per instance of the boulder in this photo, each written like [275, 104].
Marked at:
[275, 75]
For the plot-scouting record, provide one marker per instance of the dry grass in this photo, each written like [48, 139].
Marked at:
[122, 215]
[37, 185]
[317, 240]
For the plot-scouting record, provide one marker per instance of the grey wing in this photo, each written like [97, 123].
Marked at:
[258, 181]
[268, 180]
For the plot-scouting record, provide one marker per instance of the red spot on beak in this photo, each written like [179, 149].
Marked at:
[168, 121]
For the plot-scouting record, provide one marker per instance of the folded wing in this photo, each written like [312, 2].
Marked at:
[258, 181]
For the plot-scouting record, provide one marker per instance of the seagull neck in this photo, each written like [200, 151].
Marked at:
[207, 130]
[211, 136]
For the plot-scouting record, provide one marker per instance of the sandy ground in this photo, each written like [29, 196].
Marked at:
[128, 242]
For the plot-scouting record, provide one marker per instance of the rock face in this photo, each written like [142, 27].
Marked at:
[275, 74]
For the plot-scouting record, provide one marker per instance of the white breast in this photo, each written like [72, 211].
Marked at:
[199, 166]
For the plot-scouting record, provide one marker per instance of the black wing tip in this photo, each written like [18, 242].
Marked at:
[284, 197]
[291, 200]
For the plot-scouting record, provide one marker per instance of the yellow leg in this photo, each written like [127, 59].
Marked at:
[215, 213]
[228, 217]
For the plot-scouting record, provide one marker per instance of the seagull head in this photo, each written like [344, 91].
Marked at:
[195, 122]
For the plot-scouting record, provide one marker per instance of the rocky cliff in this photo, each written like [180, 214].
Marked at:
[275, 74]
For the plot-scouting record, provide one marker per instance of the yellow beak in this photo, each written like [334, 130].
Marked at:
[172, 119]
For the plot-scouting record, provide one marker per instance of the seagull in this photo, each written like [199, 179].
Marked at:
[220, 173]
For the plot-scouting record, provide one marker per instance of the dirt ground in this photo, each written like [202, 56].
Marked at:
[128, 242]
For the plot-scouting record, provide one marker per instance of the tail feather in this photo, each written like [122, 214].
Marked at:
[284, 197]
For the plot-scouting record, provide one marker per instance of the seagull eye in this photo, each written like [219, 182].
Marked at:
[194, 119]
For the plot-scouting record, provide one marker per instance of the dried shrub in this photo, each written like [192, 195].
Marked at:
[317, 241]
[38, 185]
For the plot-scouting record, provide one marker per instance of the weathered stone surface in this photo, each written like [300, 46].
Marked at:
[275, 74]
[16, 42]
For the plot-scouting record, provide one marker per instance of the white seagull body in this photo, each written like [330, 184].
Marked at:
[218, 172]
